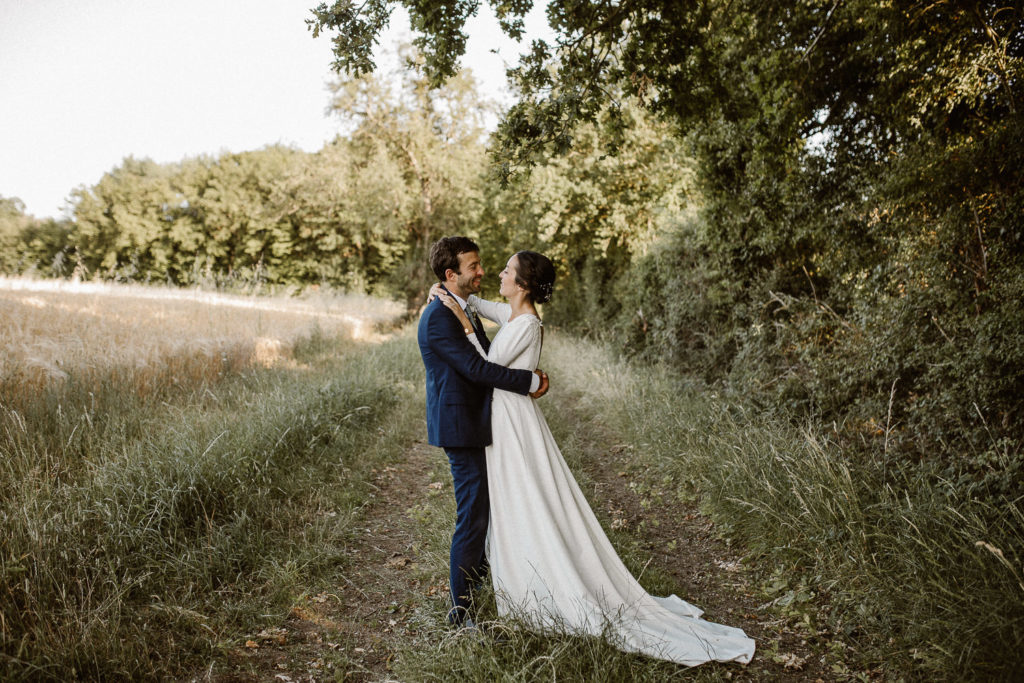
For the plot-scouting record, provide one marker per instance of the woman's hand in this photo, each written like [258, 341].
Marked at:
[455, 308]
[435, 291]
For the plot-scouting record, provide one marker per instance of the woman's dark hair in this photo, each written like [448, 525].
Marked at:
[535, 274]
[444, 254]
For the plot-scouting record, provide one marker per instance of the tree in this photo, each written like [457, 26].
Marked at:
[121, 221]
[856, 158]
[28, 244]
[417, 169]
[593, 211]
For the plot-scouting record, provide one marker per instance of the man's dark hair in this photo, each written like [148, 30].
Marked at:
[535, 274]
[444, 254]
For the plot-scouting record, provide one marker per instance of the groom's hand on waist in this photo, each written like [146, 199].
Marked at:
[543, 386]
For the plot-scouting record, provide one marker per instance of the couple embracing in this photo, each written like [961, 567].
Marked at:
[521, 519]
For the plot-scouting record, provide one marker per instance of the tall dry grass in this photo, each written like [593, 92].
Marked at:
[144, 339]
[165, 488]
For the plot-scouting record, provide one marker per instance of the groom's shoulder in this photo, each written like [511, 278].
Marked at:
[429, 318]
[428, 311]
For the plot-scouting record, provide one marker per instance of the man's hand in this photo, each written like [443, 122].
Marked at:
[543, 388]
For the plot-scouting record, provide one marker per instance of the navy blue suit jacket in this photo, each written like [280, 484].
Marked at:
[459, 381]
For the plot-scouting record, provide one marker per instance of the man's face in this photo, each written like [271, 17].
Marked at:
[471, 274]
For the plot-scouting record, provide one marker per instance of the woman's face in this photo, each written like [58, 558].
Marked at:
[508, 278]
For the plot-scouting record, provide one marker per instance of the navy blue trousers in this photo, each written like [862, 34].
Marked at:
[468, 566]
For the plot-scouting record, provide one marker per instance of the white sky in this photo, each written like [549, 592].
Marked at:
[85, 83]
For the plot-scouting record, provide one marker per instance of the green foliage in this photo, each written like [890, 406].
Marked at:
[680, 304]
[211, 218]
[29, 245]
[592, 211]
[417, 168]
[855, 257]
[900, 565]
[859, 219]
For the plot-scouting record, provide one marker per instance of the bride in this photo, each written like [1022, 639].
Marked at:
[551, 564]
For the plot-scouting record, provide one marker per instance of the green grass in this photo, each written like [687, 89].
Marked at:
[146, 536]
[143, 536]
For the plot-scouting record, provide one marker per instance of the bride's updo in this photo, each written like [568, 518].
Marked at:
[535, 274]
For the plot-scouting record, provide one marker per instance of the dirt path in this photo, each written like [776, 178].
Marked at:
[389, 599]
[682, 543]
[380, 603]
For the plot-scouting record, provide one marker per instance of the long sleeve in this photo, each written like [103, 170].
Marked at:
[534, 381]
[476, 343]
[525, 343]
[492, 310]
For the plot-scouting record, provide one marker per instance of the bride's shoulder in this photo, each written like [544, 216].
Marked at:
[528, 321]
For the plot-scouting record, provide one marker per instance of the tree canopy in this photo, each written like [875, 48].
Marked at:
[857, 251]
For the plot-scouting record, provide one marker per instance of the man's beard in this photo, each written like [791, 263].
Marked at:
[470, 285]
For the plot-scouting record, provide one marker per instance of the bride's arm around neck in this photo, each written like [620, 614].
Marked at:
[492, 310]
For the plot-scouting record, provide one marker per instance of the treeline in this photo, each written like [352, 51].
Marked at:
[29, 244]
[357, 215]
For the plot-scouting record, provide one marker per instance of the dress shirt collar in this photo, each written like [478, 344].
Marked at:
[462, 302]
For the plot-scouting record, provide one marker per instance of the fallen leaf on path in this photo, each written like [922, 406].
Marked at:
[790, 661]
[275, 635]
[399, 562]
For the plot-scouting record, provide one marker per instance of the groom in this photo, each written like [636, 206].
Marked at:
[459, 384]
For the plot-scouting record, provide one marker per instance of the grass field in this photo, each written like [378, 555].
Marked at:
[55, 331]
[181, 472]
[888, 564]
[169, 467]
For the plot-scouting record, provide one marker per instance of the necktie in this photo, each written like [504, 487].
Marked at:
[473, 319]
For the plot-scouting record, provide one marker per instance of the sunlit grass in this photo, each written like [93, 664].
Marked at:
[56, 332]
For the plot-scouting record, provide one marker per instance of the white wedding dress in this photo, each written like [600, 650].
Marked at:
[551, 564]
